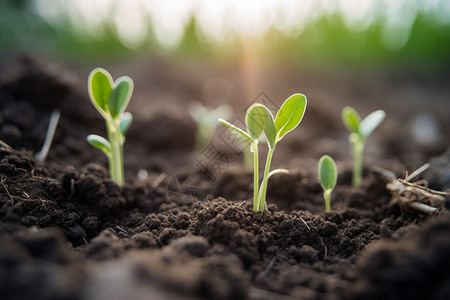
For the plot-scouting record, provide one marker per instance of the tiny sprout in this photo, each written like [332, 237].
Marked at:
[259, 120]
[111, 99]
[359, 132]
[206, 120]
[328, 177]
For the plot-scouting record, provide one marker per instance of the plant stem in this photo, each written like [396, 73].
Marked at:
[115, 158]
[263, 189]
[358, 148]
[327, 197]
[109, 130]
[118, 153]
[255, 176]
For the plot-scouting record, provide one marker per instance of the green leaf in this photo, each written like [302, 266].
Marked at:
[120, 96]
[371, 122]
[99, 143]
[256, 119]
[100, 87]
[351, 119]
[237, 129]
[290, 114]
[271, 131]
[125, 121]
[327, 172]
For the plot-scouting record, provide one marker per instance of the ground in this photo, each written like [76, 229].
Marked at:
[182, 227]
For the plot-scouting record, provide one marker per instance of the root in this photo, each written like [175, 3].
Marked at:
[413, 195]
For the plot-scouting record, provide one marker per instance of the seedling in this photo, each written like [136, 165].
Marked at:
[359, 132]
[111, 98]
[259, 120]
[206, 119]
[327, 178]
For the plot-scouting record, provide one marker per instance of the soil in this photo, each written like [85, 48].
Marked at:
[182, 227]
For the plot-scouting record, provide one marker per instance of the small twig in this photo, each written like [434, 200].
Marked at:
[52, 124]
[85, 242]
[266, 270]
[417, 172]
[5, 145]
[413, 195]
[424, 188]
[158, 180]
[305, 223]
[121, 229]
[424, 208]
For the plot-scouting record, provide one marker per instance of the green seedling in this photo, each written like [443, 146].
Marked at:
[111, 98]
[359, 132]
[260, 121]
[206, 120]
[327, 177]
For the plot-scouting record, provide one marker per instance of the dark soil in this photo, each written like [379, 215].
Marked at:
[182, 227]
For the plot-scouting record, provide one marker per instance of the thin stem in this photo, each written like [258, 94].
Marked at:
[115, 158]
[117, 153]
[327, 197]
[255, 176]
[112, 166]
[263, 190]
[358, 148]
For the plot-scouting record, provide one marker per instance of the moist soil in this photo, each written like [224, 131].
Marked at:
[182, 226]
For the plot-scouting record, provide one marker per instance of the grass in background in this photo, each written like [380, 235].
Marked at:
[326, 42]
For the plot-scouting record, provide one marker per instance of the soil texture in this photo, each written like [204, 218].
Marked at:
[182, 227]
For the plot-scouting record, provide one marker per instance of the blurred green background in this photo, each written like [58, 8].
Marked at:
[406, 34]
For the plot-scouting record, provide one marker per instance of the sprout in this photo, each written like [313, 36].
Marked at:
[327, 178]
[359, 131]
[259, 120]
[111, 99]
[206, 119]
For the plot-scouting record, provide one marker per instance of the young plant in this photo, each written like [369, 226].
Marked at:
[359, 132]
[327, 177]
[206, 119]
[259, 120]
[111, 98]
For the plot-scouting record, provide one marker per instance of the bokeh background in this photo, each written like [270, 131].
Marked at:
[371, 54]
[410, 34]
